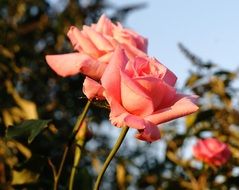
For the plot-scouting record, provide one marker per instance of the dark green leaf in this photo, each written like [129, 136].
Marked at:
[31, 128]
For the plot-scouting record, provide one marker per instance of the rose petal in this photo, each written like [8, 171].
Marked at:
[160, 92]
[93, 70]
[117, 112]
[141, 67]
[202, 150]
[98, 39]
[106, 57]
[210, 148]
[119, 120]
[181, 106]
[75, 63]
[213, 145]
[134, 121]
[101, 23]
[112, 41]
[81, 42]
[169, 77]
[164, 73]
[123, 37]
[212, 151]
[104, 25]
[111, 77]
[133, 98]
[222, 157]
[218, 159]
[132, 51]
[93, 89]
[64, 64]
[142, 43]
[150, 134]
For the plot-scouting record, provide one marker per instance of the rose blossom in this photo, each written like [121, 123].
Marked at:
[141, 94]
[94, 46]
[211, 151]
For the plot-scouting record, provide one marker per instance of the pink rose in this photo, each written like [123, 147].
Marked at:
[211, 151]
[141, 94]
[94, 46]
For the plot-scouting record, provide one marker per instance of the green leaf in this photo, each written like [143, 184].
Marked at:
[31, 128]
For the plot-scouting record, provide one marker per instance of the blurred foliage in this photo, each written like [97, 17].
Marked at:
[29, 90]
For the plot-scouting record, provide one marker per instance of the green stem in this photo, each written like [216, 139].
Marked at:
[110, 157]
[75, 164]
[80, 120]
[80, 143]
[76, 128]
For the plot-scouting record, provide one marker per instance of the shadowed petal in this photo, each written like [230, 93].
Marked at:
[165, 74]
[93, 89]
[136, 122]
[150, 133]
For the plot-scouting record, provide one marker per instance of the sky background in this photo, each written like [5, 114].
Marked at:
[210, 29]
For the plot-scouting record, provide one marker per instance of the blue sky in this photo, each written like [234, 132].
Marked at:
[210, 29]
